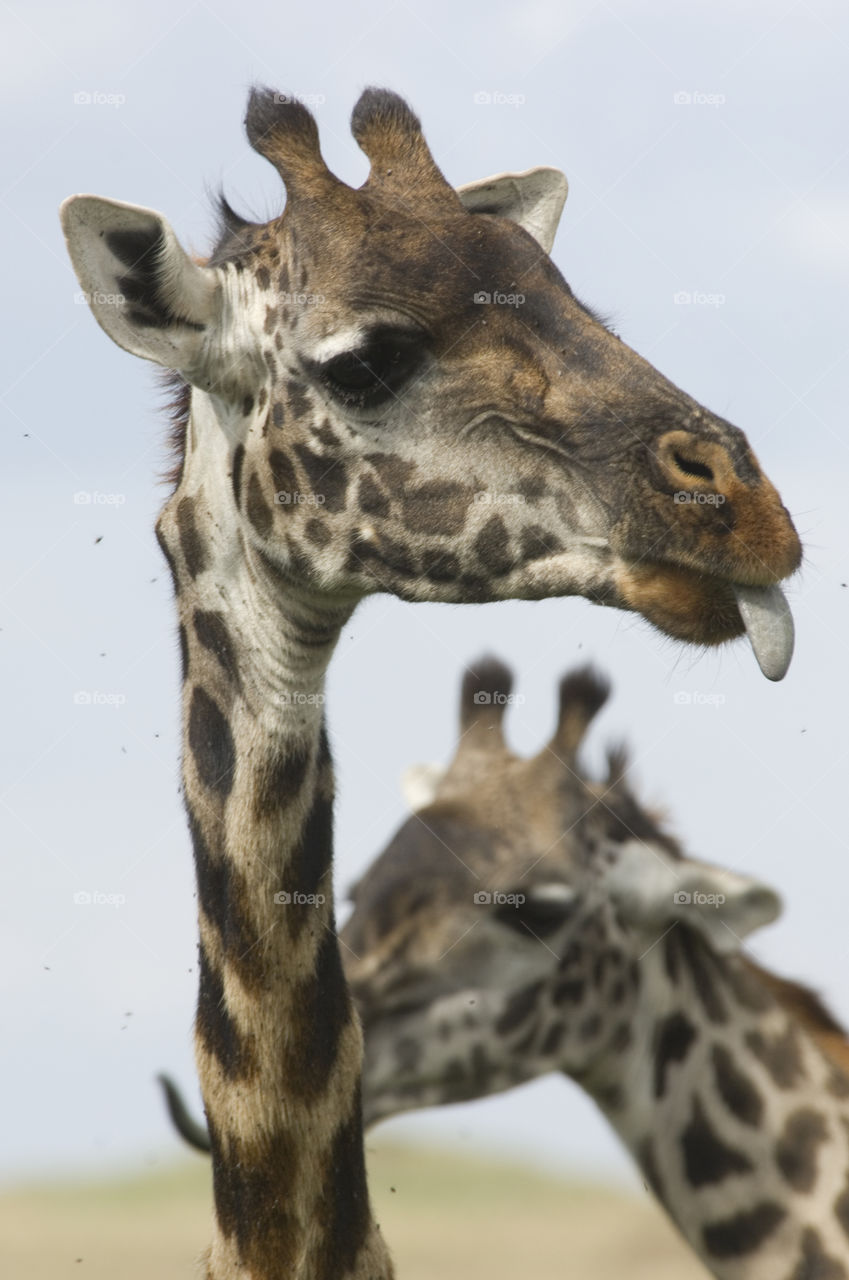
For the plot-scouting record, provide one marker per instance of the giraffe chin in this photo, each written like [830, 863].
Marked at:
[705, 609]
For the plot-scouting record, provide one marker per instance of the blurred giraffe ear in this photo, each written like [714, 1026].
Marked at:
[534, 199]
[144, 289]
[420, 783]
[654, 891]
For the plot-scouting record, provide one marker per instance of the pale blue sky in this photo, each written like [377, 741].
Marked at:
[739, 194]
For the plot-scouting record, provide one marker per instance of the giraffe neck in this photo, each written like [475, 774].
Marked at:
[738, 1120]
[277, 1042]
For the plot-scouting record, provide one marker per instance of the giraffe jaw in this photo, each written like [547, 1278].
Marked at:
[705, 608]
[670, 596]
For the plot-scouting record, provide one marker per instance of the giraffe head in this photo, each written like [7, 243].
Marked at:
[501, 934]
[393, 388]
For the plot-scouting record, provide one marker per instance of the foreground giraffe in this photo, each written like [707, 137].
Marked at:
[599, 952]
[350, 420]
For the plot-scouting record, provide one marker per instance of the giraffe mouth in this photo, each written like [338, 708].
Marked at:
[695, 606]
[709, 609]
[682, 601]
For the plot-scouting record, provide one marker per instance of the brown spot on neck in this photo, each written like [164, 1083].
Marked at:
[191, 543]
[259, 512]
[796, 1148]
[780, 1054]
[707, 1159]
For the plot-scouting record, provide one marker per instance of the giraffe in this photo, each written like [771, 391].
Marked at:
[594, 959]
[350, 416]
[527, 920]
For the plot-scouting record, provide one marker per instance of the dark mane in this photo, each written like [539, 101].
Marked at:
[234, 234]
[808, 1008]
[233, 237]
[177, 401]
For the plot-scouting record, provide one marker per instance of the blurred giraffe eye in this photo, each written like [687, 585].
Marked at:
[537, 912]
[374, 372]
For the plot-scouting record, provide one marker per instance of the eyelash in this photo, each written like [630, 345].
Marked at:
[541, 918]
[375, 372]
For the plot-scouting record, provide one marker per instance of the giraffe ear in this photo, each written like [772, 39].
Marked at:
[654, 891]
[420, 783]
[144, 289]
[534, 199]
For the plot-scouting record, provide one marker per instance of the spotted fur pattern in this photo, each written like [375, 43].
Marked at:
[358, 421]
[728, 1084]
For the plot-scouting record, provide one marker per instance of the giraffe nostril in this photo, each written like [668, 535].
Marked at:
[692, 467]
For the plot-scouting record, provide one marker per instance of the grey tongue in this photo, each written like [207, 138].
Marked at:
[769, 625]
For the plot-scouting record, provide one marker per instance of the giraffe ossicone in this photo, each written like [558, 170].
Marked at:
[380, 390]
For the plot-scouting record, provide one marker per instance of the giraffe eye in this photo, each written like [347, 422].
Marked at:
[373, 373]
[541, 912]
